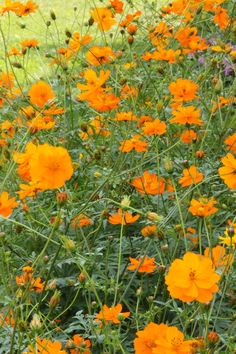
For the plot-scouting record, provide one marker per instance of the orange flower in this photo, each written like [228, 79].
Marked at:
[188, 136]
[50, 166]
[100, 55]
[94, 83]
[219, 257]
[228, 171]
[104, 102]
[196, 278]
[162, 339]
[30, 43]
[26, 280]
[23, 160]
[125, 116]
[222, 18]
[7, 204]
[187, 37]
[80, 220]
[191, 176]
[230, 141]
[27, 8]
[112, 314]
[183, 90]
[46, 346]
[143, 264]
[149, 183]
[41, 93]
[78, 345]
[186, 115]
[203, 207]
[156, 127]
[134, 143]
[149, 230]
[40, 123]
[122, 218]
[117, 6]
[28, 190]
[103, 17]
[168, 55]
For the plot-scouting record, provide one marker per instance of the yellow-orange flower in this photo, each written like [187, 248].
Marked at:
[46, 346]
[191, 176]
[122, 218]
[149, 183]
[103, 17]
[228, 171]
[143, 264]
[230, 141]
[219, 258]
[186, 115]
[156, 127]
[100, 55]
[162, 339]
[41, 93]
[7, 204]
[149, 230]
[78, 345]
[50, 166]
[134, 143]
[183, 90]
[196, 280]
[111, 314]
[203, 207]
[188, 136]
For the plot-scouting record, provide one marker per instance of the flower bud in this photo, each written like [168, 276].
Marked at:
[125, 203]
[35, 323]
[55, 299]
[168, 164]
[231, 231]
[212, 337]
[53, 15]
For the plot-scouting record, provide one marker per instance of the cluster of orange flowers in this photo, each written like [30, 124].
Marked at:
[18, 8]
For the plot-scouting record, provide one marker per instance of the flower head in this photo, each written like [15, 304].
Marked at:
[191, 176]
[143, 264]
[111, 314]
[149, 183]
[7, 204]
[203, 207]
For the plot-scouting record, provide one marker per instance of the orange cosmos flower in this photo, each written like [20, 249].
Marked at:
[230, 141]
[10, 6]
[188, 136]
[23, 160]
[41, 123]
[28, 190]
[7, 204]
[104, 102]
[219, 258]
[30, 43]
[149, 183]
[46, 346]
[27, 8]
[41, 93]
[168, 55]
[78, 345]
[26, 280]
[122, 218]
[191, 176]
[100, 55]
[125, 116]
[134, 143]
[156, 339]
[80, 220]
[149, 230]
[228, 172]
[186, 115]
[94, 83]
[203, 207]
[111, 314]
[222, 18]
[156, 127]
[143, 264]
[183, 90]
[103, 17]
[50, 166]
[117, 5]
[196, 280]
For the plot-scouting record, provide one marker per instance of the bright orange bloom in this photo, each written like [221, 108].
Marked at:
[219, 258]
[162, 339]
[228, 171]
[26, 280]
[78, 345]
[191, 176]
[100, 55]
[223, 101]
[46, 346]
[41, 123]
[149, 183]
[94, 83]
[103, 17]
[111, 314]
[125, 116]
[28, 190]
[129, 18]
[187, 37]
[10, 6]
[230, 141]
[134, 143]
[188, 136]
[168, 55]
[186, 115]
[104, 102]
[7, 204]
[80, 220]
[14, 52]
[30, 43]
[149, 230]
[27, 8]
[203, 207]
[222, 18]
[50, 166]
[41, 93]
[117, 6]
[143, 264]
[23, 159]
[159, 34]
[122, 218]
[196, 278]
[183, 90]
[156, 127]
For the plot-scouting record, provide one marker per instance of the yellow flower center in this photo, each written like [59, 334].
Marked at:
[192, 274]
